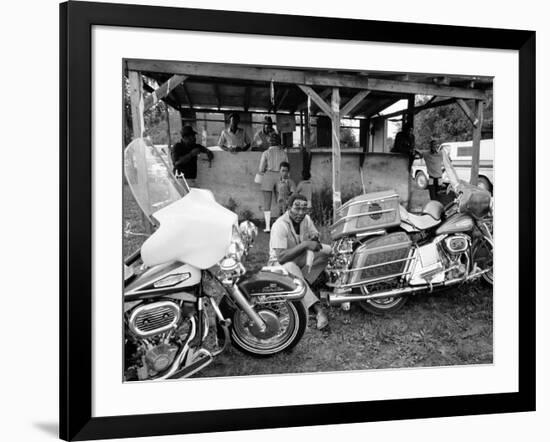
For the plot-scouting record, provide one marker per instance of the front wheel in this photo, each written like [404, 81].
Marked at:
[286, 323]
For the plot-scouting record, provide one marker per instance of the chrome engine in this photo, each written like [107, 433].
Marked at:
[156, 333]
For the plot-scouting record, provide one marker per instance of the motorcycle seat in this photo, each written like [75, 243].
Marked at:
[418, 222]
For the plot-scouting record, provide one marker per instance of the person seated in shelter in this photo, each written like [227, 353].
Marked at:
[404, 143]
[261, 140]
[234, 138]
[293, 234]
[305, 187]
[285, 187]
[184, 155]
[270, 161]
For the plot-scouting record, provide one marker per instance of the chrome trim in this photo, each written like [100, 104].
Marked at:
[295, 294]
[179, 357]
[357, 269]
[338, 298]
[372, 233]
[147, 308]
[358, 215]
[376, 200]
[368, 281]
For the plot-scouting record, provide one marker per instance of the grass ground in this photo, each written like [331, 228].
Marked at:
[450, 327]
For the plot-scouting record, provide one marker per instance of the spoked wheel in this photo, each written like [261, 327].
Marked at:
[382, 306]
[286, 323]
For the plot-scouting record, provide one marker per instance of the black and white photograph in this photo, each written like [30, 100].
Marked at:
[282, 220]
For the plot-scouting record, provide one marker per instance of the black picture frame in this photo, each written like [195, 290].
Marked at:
[76, 21]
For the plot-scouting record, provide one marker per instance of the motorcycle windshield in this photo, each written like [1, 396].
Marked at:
[193, 227]
[450, 170]
[150, 178]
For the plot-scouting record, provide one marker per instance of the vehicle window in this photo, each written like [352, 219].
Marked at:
[464, 151]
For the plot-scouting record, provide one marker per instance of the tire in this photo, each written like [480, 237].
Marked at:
[485, 184]
[380, 307]
[383, 306]
[244, 339]
[421, 180]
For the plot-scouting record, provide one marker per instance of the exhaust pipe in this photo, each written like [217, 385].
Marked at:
[337, 298]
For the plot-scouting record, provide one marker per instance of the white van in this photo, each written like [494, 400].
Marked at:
[460, 153]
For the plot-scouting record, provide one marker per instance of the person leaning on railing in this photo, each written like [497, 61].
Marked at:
[234, 138]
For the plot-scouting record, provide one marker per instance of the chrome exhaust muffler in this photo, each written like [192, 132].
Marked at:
[338, 298]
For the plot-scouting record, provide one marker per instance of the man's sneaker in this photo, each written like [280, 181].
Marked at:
[322, 320]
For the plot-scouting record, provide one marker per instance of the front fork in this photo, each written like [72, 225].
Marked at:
[239, 298]
[242, 302]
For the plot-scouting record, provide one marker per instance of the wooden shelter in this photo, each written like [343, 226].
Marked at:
[213, 87]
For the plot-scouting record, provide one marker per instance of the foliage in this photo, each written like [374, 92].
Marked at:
[155, 124]
[231, 204]
[446, 123]
[246, 215]
[321, 205]
[347, 137]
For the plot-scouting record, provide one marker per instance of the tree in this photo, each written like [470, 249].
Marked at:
[448, 123]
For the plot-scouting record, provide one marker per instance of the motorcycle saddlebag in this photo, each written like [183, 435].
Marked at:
[473, 200]
[380, 259]
[371, 211]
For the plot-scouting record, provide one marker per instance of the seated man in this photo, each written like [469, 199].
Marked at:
[292, 236]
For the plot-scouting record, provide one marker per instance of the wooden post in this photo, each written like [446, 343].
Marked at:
[364, 138]
[169, 139]
[136, 102]
[307, 129]
[335, 117]
[476, 141]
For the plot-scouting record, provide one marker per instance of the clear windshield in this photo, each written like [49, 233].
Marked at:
[150, 178]
[449, 169]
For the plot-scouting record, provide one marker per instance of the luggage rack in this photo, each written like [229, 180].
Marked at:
[359, 215]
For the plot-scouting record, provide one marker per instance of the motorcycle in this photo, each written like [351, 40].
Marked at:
[382, 253]
[188, 278]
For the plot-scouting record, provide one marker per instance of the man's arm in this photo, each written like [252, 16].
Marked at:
[207, 151]
[284, 256]
[187, 157]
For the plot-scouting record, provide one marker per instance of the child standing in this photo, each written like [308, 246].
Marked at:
[305, 187]
[285, 187]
